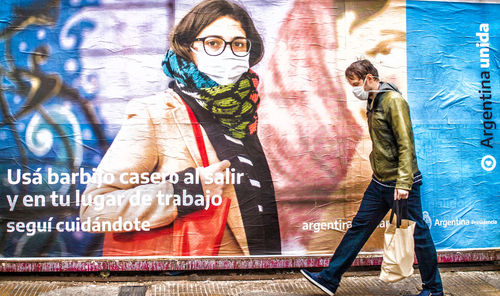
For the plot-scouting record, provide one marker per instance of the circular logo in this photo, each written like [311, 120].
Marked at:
[488, 163]
[427, 218]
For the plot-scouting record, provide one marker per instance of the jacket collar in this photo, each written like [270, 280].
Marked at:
[384, 88]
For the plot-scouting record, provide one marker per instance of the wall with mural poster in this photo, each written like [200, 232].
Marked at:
[98, 158]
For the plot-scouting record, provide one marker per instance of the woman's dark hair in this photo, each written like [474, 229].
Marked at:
[203, 15]
[361, 68]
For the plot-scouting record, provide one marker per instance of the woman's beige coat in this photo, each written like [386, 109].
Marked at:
[157, 136]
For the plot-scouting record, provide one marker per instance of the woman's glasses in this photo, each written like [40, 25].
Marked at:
[215, 45]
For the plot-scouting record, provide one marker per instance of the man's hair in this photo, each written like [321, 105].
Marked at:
[361, 68]
[206, 13]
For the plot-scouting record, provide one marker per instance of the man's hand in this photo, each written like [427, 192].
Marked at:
[209, 173]
[400, 194]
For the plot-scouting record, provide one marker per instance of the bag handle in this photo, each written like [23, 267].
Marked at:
[398, 206]
[198, 135]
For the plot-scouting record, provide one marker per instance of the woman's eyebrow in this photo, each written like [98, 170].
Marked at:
[236, 37]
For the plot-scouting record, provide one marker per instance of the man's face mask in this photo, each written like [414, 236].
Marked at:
[360, 92]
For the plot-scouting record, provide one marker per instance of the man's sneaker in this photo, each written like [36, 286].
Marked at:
[316, 280]
[427, 293]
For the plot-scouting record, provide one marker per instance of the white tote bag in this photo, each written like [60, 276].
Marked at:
[399, 245]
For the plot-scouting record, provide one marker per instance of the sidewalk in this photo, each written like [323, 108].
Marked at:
[456, 283]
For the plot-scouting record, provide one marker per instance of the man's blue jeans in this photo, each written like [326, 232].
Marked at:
[377, 201]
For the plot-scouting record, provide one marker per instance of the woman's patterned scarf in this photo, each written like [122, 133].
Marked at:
[233, 105]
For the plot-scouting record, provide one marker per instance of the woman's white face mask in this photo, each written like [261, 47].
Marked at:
[225, 68]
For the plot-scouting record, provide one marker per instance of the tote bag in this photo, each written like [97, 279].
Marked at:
[399, 245]
[200, 233]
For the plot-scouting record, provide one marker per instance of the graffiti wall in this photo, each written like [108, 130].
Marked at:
[101, 156]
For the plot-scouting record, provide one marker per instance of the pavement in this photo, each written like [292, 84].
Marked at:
[458, 281]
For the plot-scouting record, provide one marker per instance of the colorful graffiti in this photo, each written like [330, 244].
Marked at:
[47, 119]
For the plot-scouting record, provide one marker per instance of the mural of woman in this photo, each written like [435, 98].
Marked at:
[204, 124]
[313, 131]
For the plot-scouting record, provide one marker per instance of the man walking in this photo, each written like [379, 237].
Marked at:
[395, 176]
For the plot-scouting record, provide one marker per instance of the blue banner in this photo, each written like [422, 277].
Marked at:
[453, 91]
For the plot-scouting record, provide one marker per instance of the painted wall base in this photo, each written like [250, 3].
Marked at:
[213, 263]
